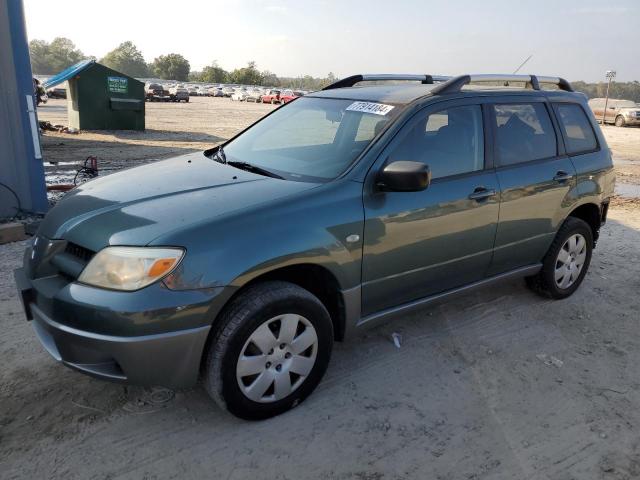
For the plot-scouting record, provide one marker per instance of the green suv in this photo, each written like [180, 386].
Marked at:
[241, 265]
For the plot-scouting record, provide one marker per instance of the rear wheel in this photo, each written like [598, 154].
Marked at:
[269, 352]
[566, 262]
[620, 121]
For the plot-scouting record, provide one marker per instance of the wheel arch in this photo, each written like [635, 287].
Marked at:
[317, 279]
[591, 214]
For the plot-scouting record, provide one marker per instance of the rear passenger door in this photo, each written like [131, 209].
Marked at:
[535, 178]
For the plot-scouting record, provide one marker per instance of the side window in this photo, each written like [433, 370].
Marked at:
[523, 132]
[576, 128]
[450, 141]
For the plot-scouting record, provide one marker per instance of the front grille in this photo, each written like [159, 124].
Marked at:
[79, 252]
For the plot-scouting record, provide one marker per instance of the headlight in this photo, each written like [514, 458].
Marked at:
[130, 268]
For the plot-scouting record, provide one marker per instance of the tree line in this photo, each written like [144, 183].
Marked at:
[620, 90]
[50, 58]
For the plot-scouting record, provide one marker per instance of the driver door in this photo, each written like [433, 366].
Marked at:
[421, 243]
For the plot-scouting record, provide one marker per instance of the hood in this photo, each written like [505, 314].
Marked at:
[134, 206]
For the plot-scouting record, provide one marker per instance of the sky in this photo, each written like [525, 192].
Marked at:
[575, 39]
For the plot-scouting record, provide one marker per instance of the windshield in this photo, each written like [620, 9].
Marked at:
[310, 139]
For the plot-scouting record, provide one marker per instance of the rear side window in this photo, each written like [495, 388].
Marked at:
[450, 141]
[576, 128]
[523, 133]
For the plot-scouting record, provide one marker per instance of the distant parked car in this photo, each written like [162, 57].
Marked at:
[57, 92]
[271, 96]
[193, 91]
[619, 112]
[253, 95]
[179, 94]
[217, 92]
[287, 96]
[239, 94]
[154, 92]
[227, 91]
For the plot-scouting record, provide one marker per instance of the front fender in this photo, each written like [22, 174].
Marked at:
[309, 228]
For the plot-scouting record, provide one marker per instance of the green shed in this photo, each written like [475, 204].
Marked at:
[100, 98]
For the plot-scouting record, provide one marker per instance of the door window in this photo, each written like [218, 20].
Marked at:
[576, 128]
[523, 133]
[450, 141]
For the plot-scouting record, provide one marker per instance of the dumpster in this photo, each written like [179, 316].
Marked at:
[100, 98]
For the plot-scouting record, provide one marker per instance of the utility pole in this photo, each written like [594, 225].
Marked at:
[610, 75]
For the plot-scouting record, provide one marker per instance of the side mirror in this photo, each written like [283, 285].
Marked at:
[404, 177]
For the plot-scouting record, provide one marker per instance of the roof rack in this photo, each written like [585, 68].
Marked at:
[455, 84]
[353, 79]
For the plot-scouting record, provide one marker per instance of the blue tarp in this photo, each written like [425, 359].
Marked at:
[68, 73]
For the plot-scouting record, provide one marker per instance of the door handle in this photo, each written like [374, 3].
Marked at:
[481, 193]
[562, 176]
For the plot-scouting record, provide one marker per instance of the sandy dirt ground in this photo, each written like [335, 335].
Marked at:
[498, 384]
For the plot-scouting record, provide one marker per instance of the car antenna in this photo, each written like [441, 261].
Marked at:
[522, 64]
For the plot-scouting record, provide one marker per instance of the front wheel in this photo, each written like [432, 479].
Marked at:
[620, 121]
[269, 352]
[566, 262]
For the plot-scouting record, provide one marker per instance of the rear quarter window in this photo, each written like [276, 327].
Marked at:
[576, 128]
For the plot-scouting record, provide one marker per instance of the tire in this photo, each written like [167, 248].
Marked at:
[544, 282]
[273, 101]
[620, 121]
[250, 316]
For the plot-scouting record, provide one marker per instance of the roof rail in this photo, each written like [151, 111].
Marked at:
[353, 79]
[455, 84]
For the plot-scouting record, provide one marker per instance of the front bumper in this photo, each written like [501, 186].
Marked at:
[168, 359]
[152, 337]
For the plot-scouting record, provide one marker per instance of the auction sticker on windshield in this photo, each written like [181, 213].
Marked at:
[370, 107]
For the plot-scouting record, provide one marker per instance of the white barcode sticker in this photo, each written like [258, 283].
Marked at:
[370, 107]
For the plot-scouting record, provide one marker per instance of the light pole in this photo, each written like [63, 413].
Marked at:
[611, 74]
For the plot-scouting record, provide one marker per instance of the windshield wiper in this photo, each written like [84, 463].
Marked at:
[254, 168]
